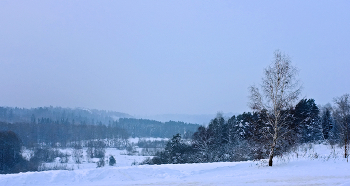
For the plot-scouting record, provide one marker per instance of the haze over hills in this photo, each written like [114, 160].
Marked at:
[76, 120]
[94, 116]
[74, 115]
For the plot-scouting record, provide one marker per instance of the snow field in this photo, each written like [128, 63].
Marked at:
[307, 165]
[120, 155]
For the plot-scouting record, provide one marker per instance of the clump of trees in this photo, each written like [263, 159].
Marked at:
[77, 153]
[10, 148]
[11, 160]
[56, 134]
[152, 128]
[342, 118]
[96, 149]
[242, 137]
[176, 151]
[246, 136]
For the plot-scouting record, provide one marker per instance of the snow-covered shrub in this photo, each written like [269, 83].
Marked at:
[134, 163]
[64, 159]
[96, 149]
[101, 162]
[77, 155]
[130, 149]
[112, 161]
[46, 154]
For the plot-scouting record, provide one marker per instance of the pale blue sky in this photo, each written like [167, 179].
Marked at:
[166, 57]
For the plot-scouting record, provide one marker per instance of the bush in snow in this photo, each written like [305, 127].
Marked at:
[131, 150]
[112, 161]
[46, 154]
[77, 153]
[96, 149]
[100, 163]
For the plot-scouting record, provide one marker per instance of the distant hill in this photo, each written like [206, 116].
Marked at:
[58, 117]
[75, 116]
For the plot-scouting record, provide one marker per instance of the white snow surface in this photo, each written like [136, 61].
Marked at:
[316, 165]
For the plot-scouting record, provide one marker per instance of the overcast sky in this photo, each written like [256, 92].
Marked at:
[166, 57]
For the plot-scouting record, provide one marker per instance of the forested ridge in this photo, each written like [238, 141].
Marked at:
[56, 126]
[76, 115]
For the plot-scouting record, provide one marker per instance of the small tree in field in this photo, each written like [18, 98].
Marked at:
[280, 90]
[342, 120]
[77, 153]
[112, 161]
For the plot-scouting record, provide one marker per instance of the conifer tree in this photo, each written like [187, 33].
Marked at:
[327, 122]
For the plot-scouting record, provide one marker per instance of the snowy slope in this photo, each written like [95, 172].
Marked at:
[316, 166]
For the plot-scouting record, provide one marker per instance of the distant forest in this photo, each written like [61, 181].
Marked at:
[75, 116]
[59, 126]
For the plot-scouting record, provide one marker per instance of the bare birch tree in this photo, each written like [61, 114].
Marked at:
[280, 91]
[341, 115]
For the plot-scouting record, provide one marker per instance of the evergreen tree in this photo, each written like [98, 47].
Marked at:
[176, 150]
[259, 135]
[243, 126]
[217, 127]
[203, 141]
[327, 122]
[10, 151]
[112, 161]
[308, 122]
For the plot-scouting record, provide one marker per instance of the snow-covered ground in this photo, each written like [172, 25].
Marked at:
[308, 165]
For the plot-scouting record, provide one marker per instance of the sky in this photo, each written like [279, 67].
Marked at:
[167, 57]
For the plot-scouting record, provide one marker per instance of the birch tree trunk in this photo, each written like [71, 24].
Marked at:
[272, 150]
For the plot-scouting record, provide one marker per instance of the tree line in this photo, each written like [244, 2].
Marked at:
[52, 125]
[245, 136]
[62, 132]
[75, 116]
[152, 128]
[55, 134]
